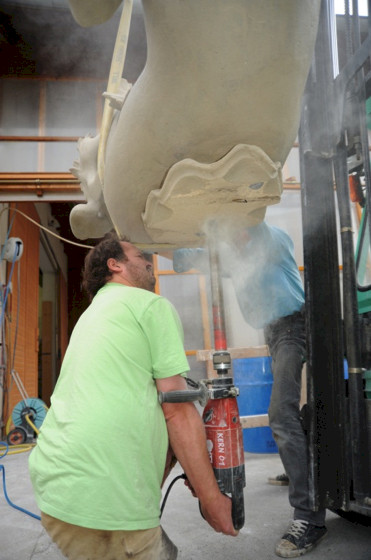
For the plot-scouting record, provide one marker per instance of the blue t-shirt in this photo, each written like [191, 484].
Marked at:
[263, 270]
[265, 275]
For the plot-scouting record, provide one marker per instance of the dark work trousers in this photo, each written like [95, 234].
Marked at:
[286, 339]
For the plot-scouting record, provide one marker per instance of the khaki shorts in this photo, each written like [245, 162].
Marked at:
[80, 543]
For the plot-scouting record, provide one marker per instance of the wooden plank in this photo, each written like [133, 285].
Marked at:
[254, 421]
[235, 353]
[39, 138]
[36, 176]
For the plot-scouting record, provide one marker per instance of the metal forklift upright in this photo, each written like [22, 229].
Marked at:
[326, 398]
[339, 468]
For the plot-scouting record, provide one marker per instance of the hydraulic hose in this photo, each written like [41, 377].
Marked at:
[2, 468]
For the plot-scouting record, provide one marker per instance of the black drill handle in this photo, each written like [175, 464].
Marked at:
[238, 511]
[181, 396]
[231, 482]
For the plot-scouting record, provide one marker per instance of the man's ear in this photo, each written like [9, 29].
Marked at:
[114, 265]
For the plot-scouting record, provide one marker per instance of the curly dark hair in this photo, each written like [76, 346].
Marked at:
[96, 272]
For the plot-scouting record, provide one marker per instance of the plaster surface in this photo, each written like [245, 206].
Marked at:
[218, 74]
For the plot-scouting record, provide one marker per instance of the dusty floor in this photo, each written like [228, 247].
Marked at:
[267, 516]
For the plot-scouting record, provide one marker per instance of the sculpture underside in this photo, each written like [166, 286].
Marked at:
[206, 128]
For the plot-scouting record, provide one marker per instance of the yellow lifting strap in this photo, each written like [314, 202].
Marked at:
[115, 75]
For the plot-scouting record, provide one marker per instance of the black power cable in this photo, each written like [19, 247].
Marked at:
[183, 476]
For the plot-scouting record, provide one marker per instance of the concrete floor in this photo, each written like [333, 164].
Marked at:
[267, 516]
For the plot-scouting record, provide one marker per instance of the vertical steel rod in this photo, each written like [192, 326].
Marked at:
[220, 340]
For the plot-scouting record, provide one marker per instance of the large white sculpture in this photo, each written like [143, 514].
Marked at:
[206, 128]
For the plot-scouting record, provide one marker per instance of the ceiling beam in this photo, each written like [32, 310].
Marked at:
[40, 187]
[55, 187]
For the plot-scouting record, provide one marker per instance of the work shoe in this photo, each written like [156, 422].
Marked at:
[299, 539]
[279, 480]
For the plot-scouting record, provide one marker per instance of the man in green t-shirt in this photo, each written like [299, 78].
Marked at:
[106, 442]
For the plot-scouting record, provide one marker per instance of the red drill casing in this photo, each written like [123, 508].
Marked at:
[225, 445]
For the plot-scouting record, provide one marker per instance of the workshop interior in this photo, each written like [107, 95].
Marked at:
[100, 131]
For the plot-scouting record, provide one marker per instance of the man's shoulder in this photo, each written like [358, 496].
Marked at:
[121, 293]
[267, 237]
[280, 237]
[145, 299]
[142, 304]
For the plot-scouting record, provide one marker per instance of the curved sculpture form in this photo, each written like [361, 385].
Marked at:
[219, 75]
[240, 184]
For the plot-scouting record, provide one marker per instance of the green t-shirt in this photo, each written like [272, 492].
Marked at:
[100, 455]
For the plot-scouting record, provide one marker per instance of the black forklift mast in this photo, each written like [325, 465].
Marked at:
[331, 131]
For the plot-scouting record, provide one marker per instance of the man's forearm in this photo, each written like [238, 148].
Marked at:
[188, 440]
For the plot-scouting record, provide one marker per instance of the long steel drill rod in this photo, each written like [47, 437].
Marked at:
[220, 341]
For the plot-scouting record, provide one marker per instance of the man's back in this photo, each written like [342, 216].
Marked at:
[264, 274]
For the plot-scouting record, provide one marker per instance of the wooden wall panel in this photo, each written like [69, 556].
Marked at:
[26, 325]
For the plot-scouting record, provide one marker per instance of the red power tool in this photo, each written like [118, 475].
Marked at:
[224, 438]
[223, 432]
